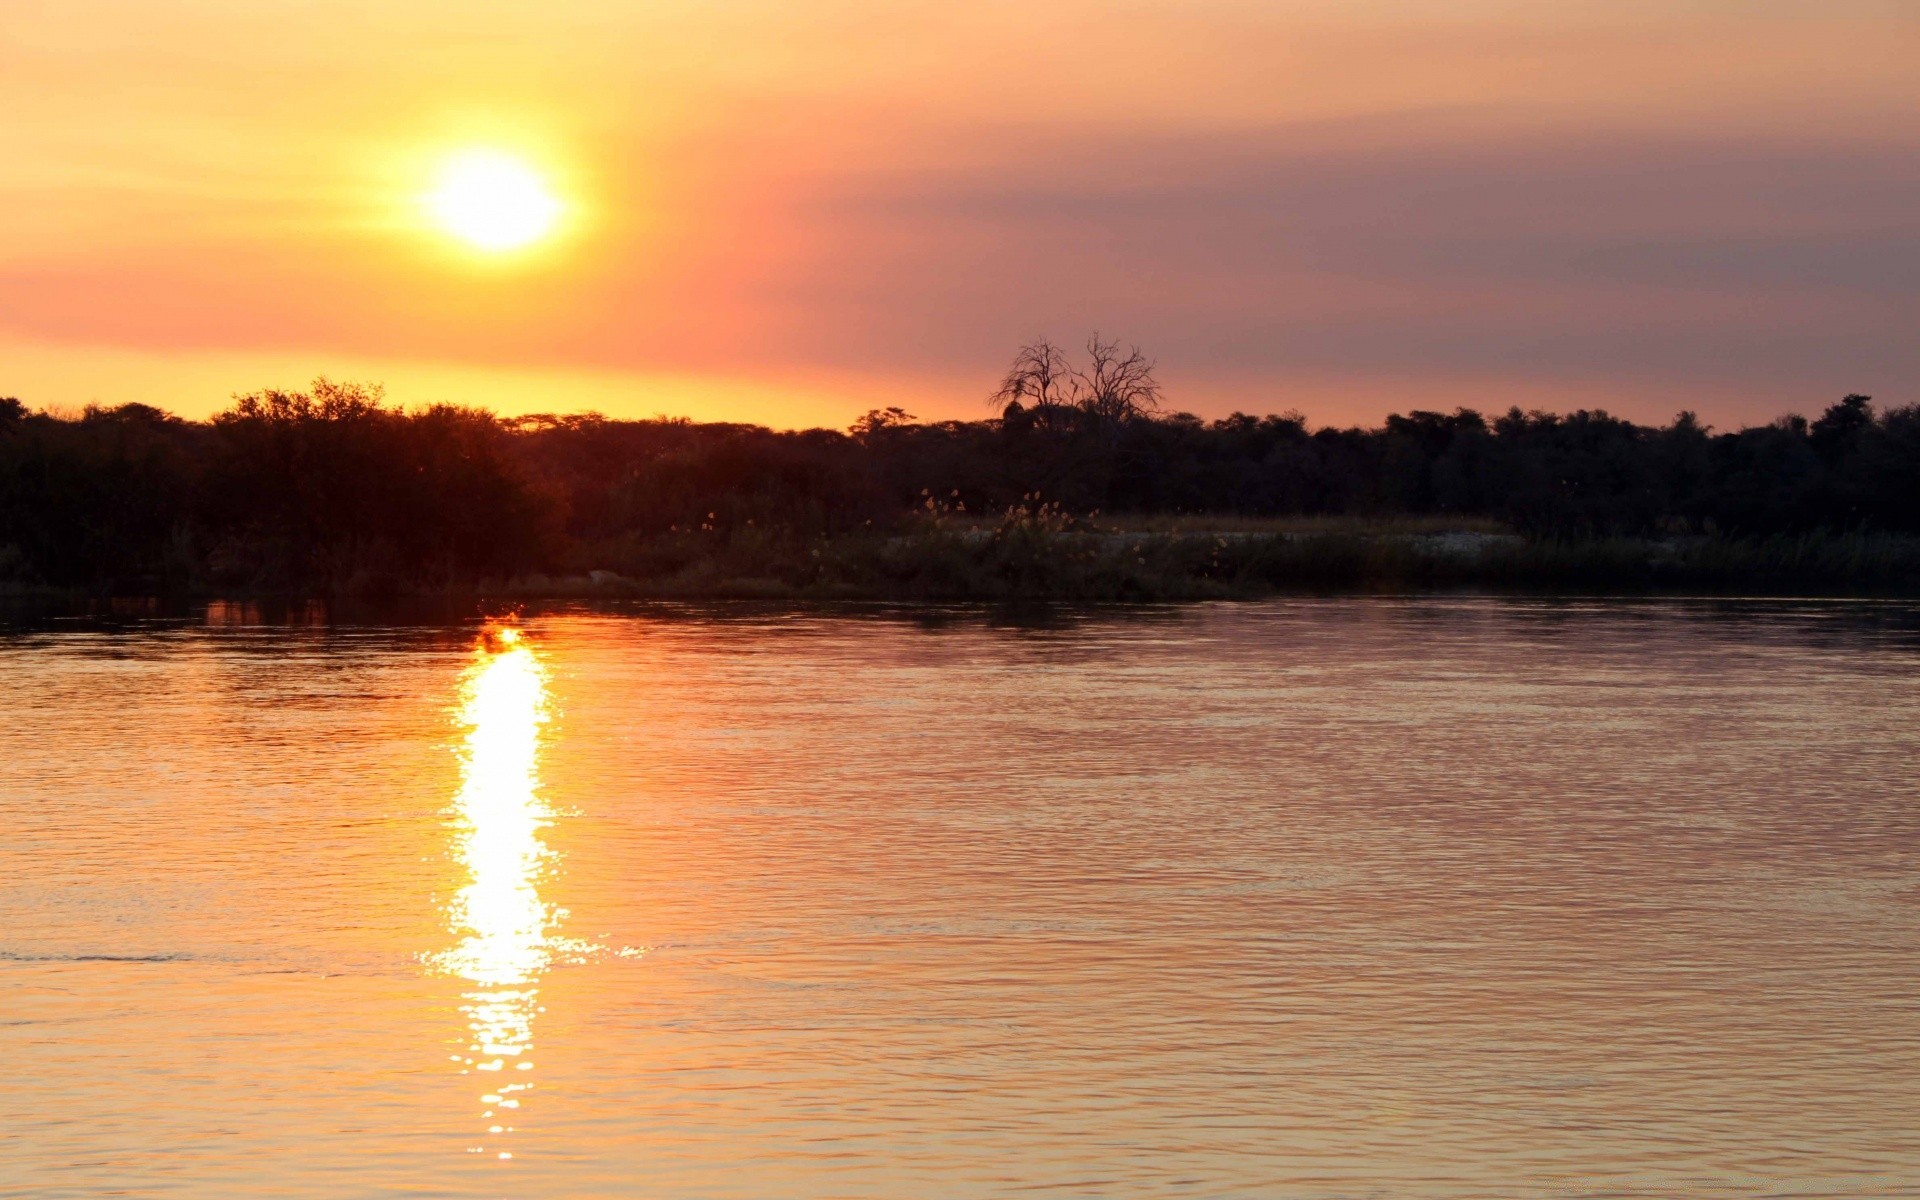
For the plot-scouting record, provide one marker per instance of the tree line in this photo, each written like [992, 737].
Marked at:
[334, 488]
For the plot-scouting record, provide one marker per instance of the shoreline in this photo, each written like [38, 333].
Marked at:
[1031, 564]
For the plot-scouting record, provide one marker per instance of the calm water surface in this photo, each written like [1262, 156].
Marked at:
[1308, 899]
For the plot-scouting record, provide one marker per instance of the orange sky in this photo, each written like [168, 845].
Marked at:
[791, 212]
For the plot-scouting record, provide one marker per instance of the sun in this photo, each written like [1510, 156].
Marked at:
[492, 201]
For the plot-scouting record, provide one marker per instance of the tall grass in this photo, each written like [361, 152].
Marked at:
[1039, 553]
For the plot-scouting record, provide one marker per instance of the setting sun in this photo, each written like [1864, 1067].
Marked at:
[493, 201]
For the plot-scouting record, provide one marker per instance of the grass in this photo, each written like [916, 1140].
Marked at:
[1049, 557]
[1201, 523]
[1042, 554]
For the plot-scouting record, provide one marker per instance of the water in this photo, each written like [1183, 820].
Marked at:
[1311, 899]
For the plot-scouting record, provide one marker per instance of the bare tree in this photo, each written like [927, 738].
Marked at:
[1040, 377]
[1116, 386]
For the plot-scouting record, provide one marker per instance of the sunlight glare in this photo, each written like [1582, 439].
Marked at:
[505, 945]
[493, 201]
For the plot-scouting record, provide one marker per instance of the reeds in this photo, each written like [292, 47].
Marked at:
[1037, 552]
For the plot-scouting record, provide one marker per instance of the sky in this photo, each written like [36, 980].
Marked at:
[790, 213]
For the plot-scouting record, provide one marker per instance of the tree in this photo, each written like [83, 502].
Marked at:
[878, 420]
[1116, 387]
[1840, 427]
[1040, 378]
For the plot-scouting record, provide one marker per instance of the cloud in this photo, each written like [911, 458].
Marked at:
[1585, 256]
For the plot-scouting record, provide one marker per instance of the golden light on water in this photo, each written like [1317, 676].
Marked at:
[493, 201]
[503, 924]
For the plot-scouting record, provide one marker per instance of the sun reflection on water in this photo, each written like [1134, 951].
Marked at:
[505, 928]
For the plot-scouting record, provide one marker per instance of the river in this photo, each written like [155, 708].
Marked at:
[1311, 898]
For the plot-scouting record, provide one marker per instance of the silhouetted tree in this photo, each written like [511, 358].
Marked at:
[1117, 384]
[334, 489]
[1039, 381]
[1839, 429]
[877, 420]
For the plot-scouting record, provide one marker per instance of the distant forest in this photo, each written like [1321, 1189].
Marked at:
[333, 489]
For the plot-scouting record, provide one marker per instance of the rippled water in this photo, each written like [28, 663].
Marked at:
[1309, 899]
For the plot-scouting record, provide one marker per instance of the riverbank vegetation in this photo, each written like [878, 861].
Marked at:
[1068, 491]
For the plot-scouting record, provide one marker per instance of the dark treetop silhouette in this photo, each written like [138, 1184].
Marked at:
[334, 490]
